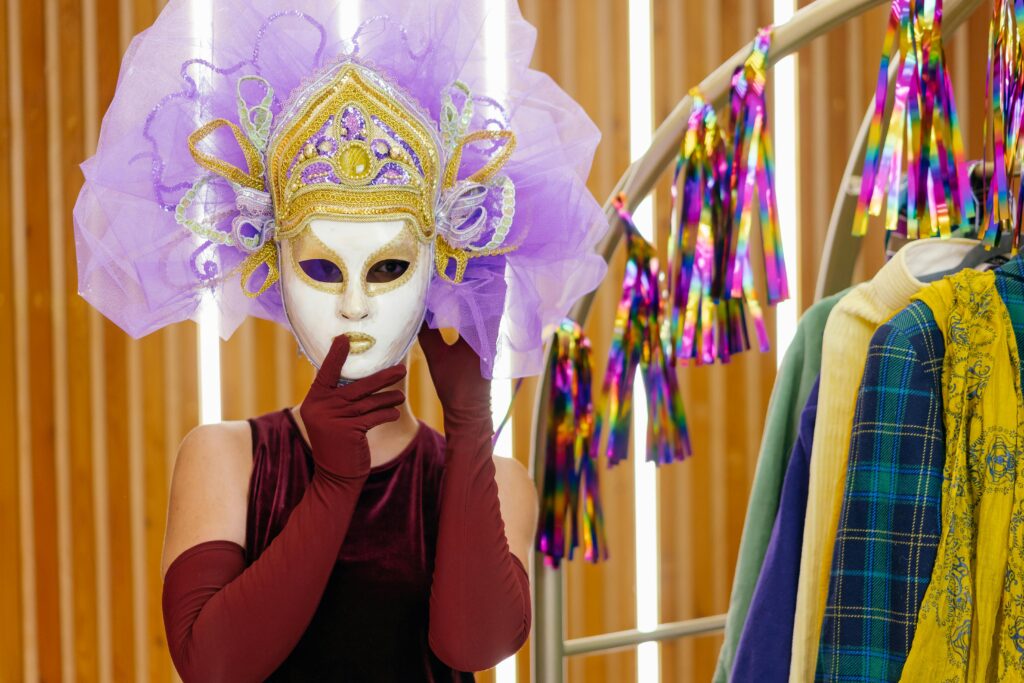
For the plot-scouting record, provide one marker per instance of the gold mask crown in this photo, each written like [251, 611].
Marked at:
[352, 145]
[357, 148]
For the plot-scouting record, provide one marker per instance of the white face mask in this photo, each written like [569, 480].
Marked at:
[366, 280]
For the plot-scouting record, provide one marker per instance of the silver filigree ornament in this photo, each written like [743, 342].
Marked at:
[253, 226]
[463, 217]
[466, 212]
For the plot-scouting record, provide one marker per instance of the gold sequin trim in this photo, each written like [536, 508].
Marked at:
[312, 247]
[400, 249]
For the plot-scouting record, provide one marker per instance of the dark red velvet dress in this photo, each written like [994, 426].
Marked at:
[372, 621]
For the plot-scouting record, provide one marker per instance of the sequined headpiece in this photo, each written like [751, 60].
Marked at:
[350, 144]
[227, 136]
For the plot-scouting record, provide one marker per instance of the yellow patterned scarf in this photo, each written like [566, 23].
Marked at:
[971, 623]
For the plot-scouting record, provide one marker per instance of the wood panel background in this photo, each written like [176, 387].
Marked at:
[93, 418]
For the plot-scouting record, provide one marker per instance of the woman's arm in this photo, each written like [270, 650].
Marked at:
[226, 622]
[518, 497]
[480, 597]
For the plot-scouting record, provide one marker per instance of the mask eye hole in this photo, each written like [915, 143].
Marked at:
[387, 270]
[322, 270]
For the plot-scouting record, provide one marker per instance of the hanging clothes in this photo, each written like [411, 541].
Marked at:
[797, 373]
[846, 340]
[770, 619]
[889, 524]
[971, 623]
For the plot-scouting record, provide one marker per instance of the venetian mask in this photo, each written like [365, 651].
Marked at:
[366, 280]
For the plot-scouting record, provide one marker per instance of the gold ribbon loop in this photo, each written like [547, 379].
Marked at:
[267, 254]
[443, 253]
[451, 171]
[253, 179]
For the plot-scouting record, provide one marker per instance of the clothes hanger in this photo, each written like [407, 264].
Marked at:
[982, 254]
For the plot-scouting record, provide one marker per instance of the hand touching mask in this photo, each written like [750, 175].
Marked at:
[367, 280]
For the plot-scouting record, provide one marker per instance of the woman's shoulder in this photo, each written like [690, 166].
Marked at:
[217, 448]
[227, 433]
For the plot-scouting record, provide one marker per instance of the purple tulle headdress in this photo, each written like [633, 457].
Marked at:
[223, 142]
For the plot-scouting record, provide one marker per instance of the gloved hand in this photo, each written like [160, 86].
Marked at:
[338, 417]
[455, 370]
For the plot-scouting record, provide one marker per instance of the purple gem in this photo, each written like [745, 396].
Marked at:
[353, 122]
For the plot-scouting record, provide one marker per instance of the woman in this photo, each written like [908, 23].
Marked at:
[227, 621]
[363, 196]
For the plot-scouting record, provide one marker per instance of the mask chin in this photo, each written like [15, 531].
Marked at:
[382, 320]
[383, 354]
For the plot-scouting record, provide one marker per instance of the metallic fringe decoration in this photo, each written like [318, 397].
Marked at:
[1005, 104]
[570, 470]
[697, 241]
[923, 134]
[753, 168]
[711, 277]
[637, 343]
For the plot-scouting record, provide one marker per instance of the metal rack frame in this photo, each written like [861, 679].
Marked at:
[550, 647]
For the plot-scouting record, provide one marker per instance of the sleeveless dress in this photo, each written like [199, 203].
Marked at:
[371, 624]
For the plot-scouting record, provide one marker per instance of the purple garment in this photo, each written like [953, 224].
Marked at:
[373, 617]
[763, 651]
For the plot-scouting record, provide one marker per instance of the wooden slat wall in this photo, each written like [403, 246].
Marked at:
[94, 418]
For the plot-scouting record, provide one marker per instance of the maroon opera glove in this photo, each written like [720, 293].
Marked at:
[480, 597]
[228, 622]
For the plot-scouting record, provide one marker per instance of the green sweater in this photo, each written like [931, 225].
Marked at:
[800, 367]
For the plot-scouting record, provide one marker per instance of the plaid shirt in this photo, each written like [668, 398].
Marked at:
[889, 526]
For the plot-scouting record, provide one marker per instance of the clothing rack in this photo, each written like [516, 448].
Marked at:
[550, 647]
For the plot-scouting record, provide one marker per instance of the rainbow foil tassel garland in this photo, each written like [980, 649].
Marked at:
[637, 344]
[704, 322]
[923, 139]
[1005, 105]
[571, 487]
[753, 170]
[700, 315]
[717, 176]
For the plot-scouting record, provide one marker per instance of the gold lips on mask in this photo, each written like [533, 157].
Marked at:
[359, 342]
